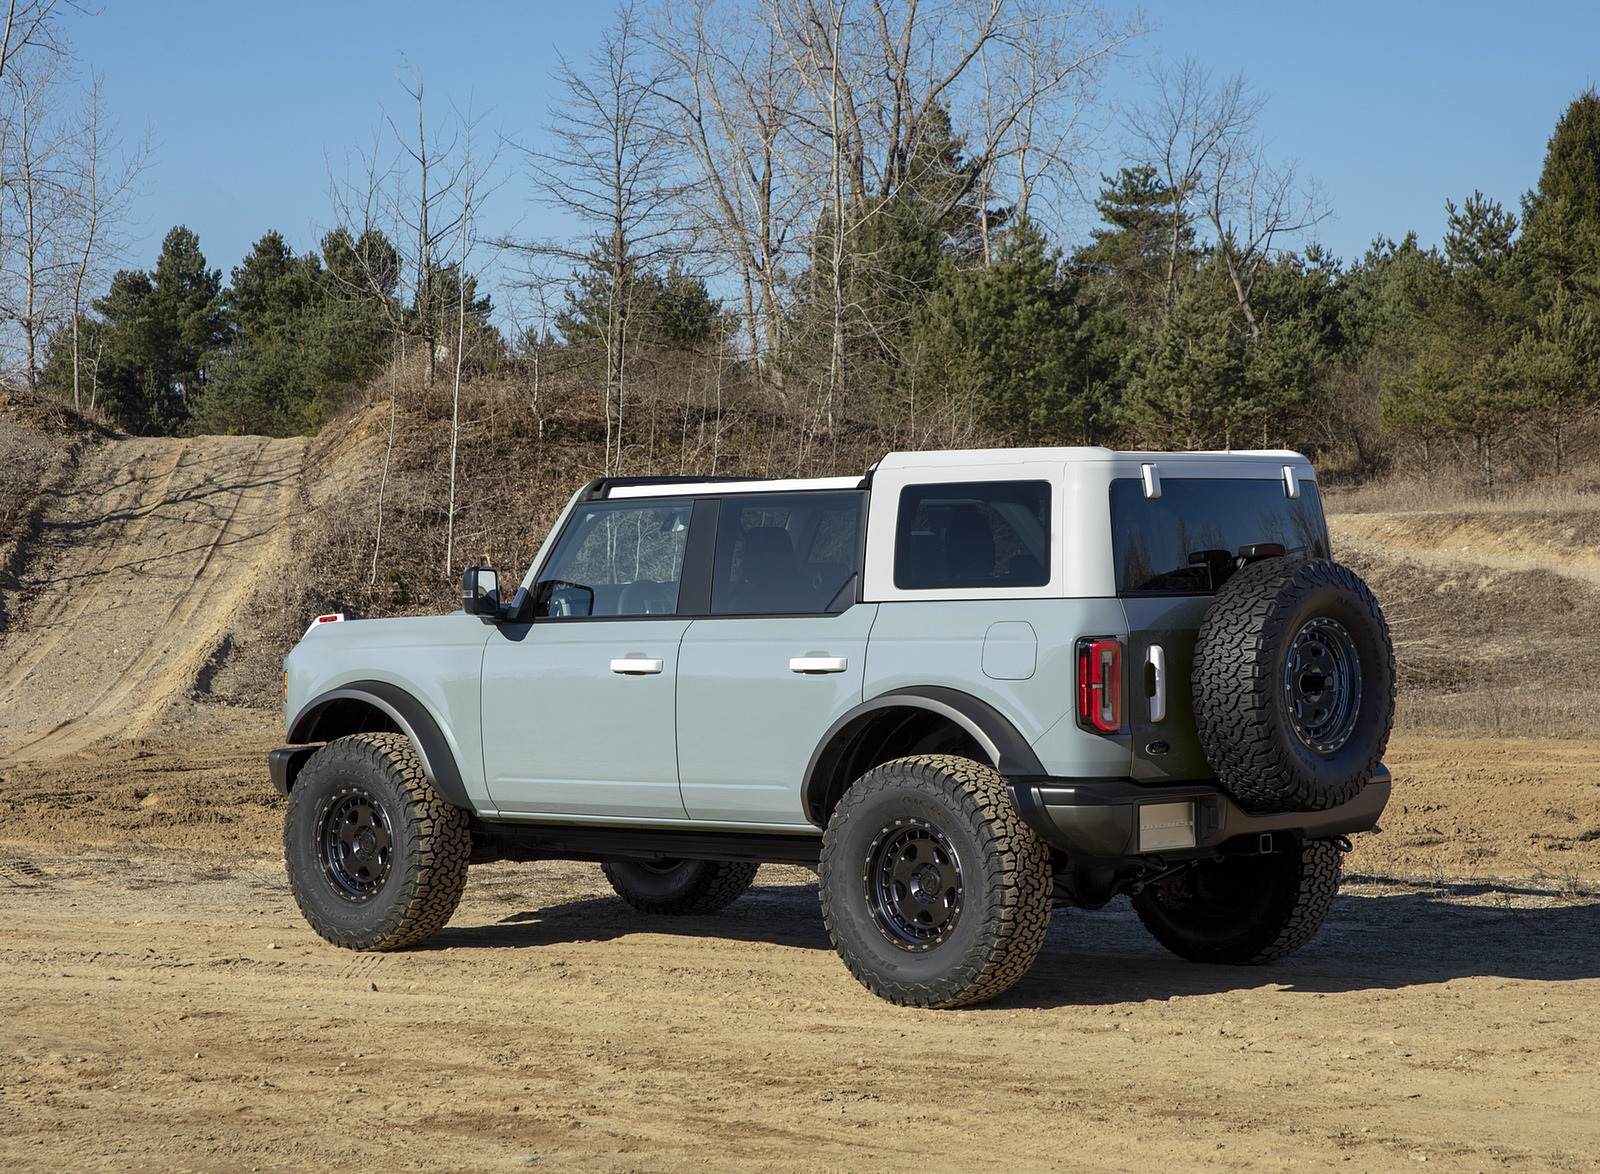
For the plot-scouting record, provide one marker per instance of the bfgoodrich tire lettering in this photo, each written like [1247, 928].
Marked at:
[1243, 910]
[1294, 683]
[680, 886]
[934, 891]
[377, 859]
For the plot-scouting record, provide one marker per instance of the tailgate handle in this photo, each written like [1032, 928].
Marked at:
[637, 666]
[812, 665]
[1156, 657]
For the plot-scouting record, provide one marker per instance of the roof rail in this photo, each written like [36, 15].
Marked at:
[601, 487]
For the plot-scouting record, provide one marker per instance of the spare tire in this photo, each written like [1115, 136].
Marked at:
[1294, 684]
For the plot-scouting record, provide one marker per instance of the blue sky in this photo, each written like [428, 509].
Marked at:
[1392, 107]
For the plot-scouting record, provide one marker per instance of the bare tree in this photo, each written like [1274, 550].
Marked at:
[1039, 96]
[1202, 136]
[1251, 204]
[731, 100]
[612, 166]
[33, 146]
[30, 30]
[65, 184]
[427, 187]
[31, 52]
[534, 317]
[884, 81]
[472, 181]
[434, 172]
[366, 206]
[104, 182]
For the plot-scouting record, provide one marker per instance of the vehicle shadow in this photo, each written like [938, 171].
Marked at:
[783, 915]
[1384, 936]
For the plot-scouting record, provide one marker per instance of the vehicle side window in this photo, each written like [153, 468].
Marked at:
[973, 534]
[616, 559]
[789, 554]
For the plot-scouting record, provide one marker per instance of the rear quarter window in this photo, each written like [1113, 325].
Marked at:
[1190, 540]
[973, 534]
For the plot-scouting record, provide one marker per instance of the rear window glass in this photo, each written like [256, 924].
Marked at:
[1191, 538]
[973, 534]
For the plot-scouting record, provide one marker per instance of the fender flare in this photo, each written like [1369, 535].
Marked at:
[1009, 752]
[409, 716]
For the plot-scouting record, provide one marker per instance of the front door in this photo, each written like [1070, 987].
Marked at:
[579, 705]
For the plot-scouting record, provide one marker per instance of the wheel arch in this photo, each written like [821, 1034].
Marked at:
[902, 722]
[361, 707]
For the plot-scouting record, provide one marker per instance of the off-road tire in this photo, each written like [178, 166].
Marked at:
[680, 886]
[1294, 685]
[377, 858]
[934, 891]
[1244, 910]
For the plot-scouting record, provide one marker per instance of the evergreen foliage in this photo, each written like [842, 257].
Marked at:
[1561, 216]
[1011, 343]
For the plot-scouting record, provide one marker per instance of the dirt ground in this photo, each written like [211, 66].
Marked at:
[164, 1006]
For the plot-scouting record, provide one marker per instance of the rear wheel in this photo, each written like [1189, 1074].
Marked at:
[377, 859]
[1243, 910]
[934, 891]
[680, 886]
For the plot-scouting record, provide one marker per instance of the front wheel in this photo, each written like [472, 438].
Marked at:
[377, 859]
[680, 886]
[1243, 910]
[934, 891]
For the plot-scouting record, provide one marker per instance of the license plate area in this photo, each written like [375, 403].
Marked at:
[1165, 826]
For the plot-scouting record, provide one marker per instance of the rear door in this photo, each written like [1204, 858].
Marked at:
[779, 658]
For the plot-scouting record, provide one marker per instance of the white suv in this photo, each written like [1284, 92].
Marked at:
[963, 687]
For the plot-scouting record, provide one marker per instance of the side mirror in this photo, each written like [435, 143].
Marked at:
[480, 591]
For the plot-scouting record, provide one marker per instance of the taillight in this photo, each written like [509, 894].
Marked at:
[1100, 685]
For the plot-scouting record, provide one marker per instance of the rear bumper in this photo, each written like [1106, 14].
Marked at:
[1106, 821]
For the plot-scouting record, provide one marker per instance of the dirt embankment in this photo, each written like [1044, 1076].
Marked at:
[136, 583]
[163, 1005]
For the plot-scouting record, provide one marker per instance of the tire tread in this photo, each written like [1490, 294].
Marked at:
[1016, 896]
[1236, 708]
[431, 881]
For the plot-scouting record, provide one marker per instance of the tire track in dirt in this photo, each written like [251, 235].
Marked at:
[141, 568]
[186, 613]
[119, 514]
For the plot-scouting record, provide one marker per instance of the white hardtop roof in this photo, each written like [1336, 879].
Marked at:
[1073, 456]
[995, 458]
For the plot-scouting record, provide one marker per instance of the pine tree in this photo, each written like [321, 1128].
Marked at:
[1010, 343]
[1561, 216]
[1133, 257]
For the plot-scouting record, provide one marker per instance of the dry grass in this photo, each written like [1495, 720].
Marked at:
[38, 437]
[34, 431]
[1577, 491]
